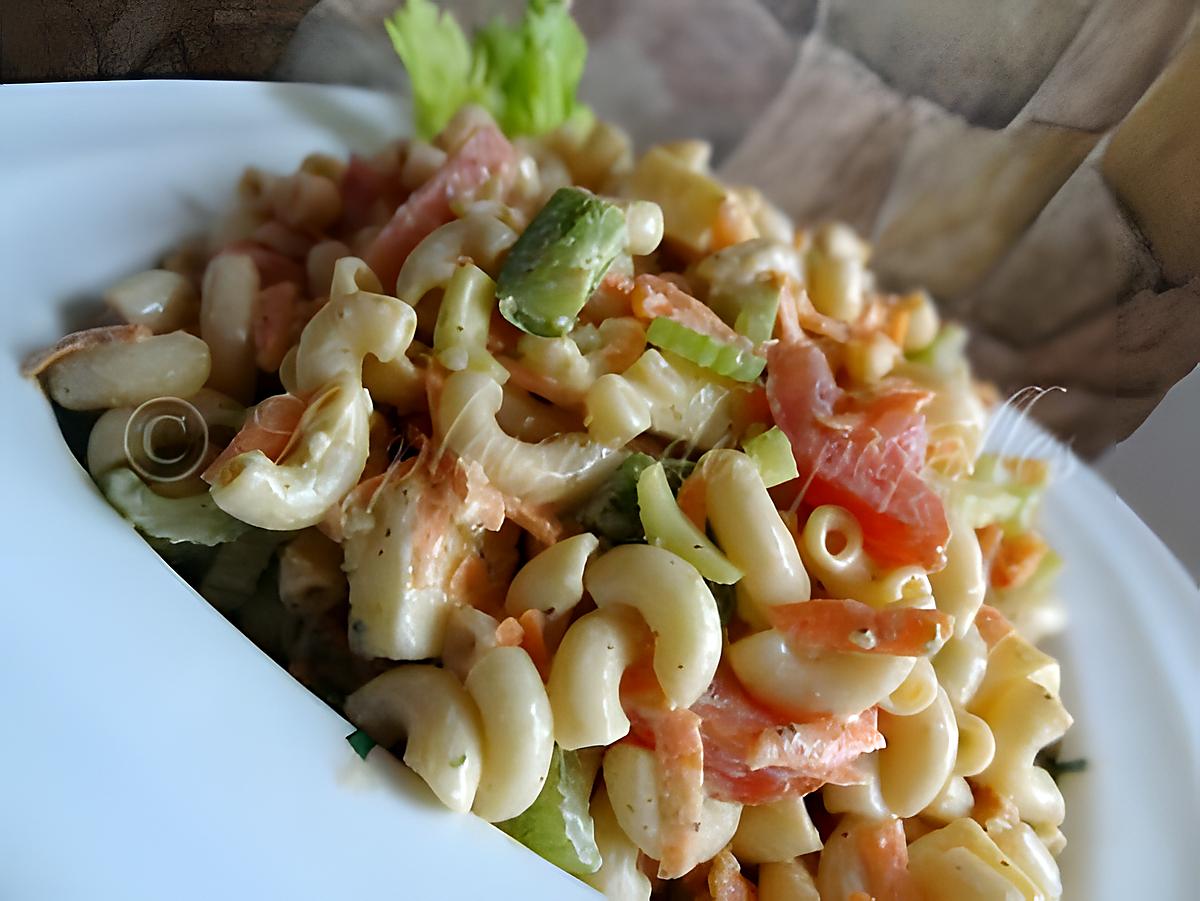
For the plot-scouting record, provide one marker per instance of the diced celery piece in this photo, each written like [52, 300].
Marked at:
[668, 528]
[731, 360]
[558, 826]
[196, 519]
[559, 261]
[750, 308]
[772, 454]
[946, 350]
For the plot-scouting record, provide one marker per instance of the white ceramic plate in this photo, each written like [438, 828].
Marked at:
[152, 752]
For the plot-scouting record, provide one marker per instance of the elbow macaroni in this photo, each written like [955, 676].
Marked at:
[585, 680]
[462, 495]
[553, 471]
[677, 606]
[750, 531]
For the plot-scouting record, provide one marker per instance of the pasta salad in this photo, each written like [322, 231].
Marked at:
[640, 521]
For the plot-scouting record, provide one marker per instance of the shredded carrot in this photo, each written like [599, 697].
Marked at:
[991, 805]
[692, 499]
[533, 629]
[897, 325]
[796, 313]
[269, 429]
[1017, 560]
[884, 854]
[825, 745]
[992, 624]
[471, 585]
[989, 538]
[848, 625]
[726, 882]
[680, 754]
[509, 633]
[538, 520]
[655, 296]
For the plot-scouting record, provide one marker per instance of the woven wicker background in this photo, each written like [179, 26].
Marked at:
[1035, 163]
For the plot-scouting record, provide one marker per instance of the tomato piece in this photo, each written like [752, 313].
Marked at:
[752, 754]
[847, 625]
[468, 168]
[871, 467]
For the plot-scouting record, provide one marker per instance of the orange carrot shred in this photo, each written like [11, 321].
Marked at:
[1017, 560]
[848, 625]
[655, 296]
[992, 624]
[692, 499]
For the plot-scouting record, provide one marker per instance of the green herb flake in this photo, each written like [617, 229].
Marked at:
[361, 743]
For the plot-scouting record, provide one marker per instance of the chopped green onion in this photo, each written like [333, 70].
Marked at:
[731, 360]
[772, 454]
[361, 743]
[667, 527]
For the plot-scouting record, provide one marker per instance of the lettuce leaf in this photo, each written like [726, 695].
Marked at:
[196, 519]
[526, 75]
[558, 826]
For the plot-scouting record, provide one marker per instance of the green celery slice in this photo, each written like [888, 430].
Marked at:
[729, 360]
[667, 527]
[559, 261]
[558, 826]
[196, 519]
[772, 454]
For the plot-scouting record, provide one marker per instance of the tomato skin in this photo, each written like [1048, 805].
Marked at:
[732, 729]
[871, 467]
[480, 156]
